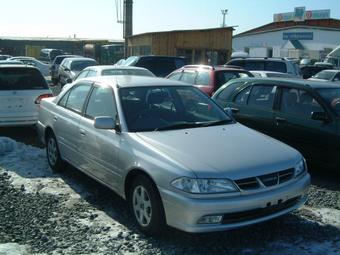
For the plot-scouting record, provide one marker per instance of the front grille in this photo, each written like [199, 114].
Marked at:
[237, 217]
[267, 180]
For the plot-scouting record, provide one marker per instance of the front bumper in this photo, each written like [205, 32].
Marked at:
[183, 213]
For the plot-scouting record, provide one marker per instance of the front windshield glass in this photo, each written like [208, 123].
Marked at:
[332, 96]
[169, 108]
[324, 75]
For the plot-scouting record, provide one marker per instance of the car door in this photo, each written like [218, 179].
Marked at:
[99, 147]
[66, 120]
[253, 107]
[296, 127]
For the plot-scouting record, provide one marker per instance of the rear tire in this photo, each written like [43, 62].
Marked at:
[146, 206]
[53, 154]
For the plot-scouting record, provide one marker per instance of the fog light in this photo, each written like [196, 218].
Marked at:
[211, 219]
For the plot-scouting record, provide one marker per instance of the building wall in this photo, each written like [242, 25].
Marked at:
[323, 41]
[201, 46]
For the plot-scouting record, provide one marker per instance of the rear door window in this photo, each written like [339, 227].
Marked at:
[262, 96]
[175, 76]
[254, 65]
[77, 97]
[203, 78]
[188, 77]
[21, 79]
[276, 66]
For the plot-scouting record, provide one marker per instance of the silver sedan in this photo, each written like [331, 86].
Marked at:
[172, 153]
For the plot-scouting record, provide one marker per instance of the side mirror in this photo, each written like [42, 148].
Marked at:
[321, 116]
[228, 111]
[106, 122]
[66, 69]
[69, 80]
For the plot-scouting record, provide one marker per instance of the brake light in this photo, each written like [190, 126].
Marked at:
[39, 98]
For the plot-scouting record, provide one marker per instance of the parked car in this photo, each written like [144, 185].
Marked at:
[48, 55]
[5, 57]
[161, 66]
[207, 78]
[44, 68]
[281, 65]
[11, 62]
[307, 61]
[310, 70]
[270, 74]
[92, 71]
[70, 67]
[21, 90]
[326, 75]
[55, 66]
[172, 153]
[303, 114]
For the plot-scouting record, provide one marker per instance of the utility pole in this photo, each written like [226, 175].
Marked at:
[224, 13]
[127, 23]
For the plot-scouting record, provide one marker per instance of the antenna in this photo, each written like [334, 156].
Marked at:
[119, 11]
[224, 13]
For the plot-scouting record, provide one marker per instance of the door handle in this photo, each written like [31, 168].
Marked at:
[82, 132]
[280, 120]
[234, 110]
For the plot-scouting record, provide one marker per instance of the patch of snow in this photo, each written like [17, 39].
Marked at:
[13, 249]
[328, 216]
[6, 145]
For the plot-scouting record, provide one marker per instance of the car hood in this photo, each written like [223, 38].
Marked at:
[229, 151]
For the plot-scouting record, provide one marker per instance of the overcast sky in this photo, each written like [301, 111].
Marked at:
[97, 19]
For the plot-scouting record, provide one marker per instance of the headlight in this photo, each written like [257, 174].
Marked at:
[204, 186]
[300, 168]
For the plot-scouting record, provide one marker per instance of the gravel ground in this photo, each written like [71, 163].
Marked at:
[45, 213]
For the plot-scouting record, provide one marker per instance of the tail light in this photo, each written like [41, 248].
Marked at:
[39, 98]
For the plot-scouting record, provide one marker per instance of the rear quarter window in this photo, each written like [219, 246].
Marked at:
[21, 79]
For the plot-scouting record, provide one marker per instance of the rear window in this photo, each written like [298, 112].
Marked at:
[223, 77]
[21, 79]
[260, 65]
[80, 65]
[58, 60]
[161, 66]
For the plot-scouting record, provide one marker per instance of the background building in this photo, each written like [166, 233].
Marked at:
[298, 34]
[205, 46]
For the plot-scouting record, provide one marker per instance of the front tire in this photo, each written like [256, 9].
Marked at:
[146, 206]
[53, 154]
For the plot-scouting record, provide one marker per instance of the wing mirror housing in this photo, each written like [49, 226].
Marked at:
[69, 80]
[106, 123]
[321, 116]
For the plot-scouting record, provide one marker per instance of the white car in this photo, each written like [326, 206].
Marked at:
[44, 68]
[271, 74]
[21, 90]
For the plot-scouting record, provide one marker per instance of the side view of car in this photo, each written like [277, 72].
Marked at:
[146, 139]
[44, 68]
[70, 67]
[207, 78]
[21, 90]
[281, 65]
[161, 66]
[303, 114]
[113, 70]
[55, 67]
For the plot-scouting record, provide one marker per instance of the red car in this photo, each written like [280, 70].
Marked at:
[207, 78]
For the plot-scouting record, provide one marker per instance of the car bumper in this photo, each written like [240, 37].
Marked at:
[18, 121]
[183, 213]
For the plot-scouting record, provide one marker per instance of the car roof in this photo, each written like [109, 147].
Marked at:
[105, 67]
[291, 81]
[134, 81]
[216, 68]
[17, 66]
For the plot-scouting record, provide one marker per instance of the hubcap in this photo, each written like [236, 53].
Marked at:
[52, 151]
[142, 206]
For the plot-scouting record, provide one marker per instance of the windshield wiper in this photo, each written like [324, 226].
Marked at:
[180, 126]
[216, 123]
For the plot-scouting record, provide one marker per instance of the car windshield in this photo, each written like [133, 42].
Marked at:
[324, 75]
[332, 96]
[80, 65]
[169, 108]
[21, 79]
[116, 71]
